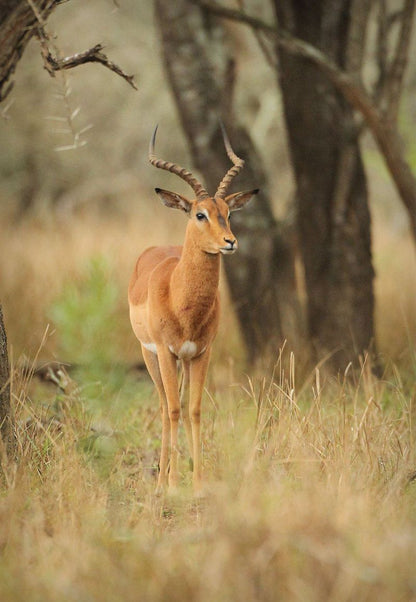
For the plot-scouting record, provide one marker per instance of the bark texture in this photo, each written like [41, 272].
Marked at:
[332, 208]
[19, 21]
[6, 419]
[200, 71]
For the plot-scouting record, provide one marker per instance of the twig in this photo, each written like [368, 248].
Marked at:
[236, 15]
[269, 54]
[37, 13]
[381, 50]
[7, 89]
[4, 111]
[400, 60]
[93, 55]
[49, 370]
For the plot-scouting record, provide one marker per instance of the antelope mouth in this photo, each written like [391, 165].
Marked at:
[228, 250]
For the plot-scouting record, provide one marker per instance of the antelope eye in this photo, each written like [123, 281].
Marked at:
[201, 216]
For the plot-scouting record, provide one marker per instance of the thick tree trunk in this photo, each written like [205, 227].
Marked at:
[332, 208]
[18, 23]
[260, 275]
[6, 420]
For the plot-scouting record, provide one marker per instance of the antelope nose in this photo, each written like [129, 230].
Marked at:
[230, 241]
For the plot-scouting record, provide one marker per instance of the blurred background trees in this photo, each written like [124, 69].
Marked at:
[331, 192]
[201, 69]
[333, 219]
[304, 271]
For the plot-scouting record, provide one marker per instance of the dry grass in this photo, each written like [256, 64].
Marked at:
[310, 494]
[40, 256]
[309, 498]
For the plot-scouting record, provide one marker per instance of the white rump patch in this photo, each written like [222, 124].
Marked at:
[150, 347]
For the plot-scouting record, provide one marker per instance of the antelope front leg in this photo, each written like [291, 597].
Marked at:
[167, 365]
[152, 365]
[198, 372]
[185, 407]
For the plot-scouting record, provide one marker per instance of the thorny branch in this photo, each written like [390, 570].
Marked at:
[93, 55]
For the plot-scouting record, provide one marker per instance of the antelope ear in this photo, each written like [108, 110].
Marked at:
[174, 200]
[237, 200]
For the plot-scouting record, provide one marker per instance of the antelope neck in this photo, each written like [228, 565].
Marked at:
[196, 277]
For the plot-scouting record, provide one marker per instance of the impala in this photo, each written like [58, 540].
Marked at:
[174, 306]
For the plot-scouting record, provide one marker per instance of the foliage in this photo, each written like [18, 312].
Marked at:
[86, 322]
[84, 315]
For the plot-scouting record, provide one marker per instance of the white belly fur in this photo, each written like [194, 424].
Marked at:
[187, 351]
[150, 347]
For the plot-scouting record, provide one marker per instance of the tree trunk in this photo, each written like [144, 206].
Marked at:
[261, 274]
[18, 23]
[332, 209]
[6, 420]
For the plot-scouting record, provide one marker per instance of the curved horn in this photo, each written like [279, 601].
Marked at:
[233, 171]
[176, 169]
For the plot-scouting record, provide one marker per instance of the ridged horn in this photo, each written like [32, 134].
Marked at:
[233, 171]
[183, 173]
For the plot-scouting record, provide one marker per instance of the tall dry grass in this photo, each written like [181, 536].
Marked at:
[40, 256]
[310, 481]
[310, 497]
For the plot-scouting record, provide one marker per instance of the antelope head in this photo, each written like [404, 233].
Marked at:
[209, 223]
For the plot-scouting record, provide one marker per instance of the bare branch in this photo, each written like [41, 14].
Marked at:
[37, 12]
[19, 21]
[6, 91]
[359, 16]
[236, 15]
[28, 18]
[264, 43]
[93, 55]
[381, 50]
[400, 60]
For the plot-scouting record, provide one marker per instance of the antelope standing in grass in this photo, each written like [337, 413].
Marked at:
[174, 306]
